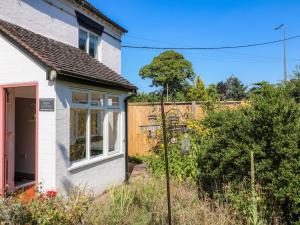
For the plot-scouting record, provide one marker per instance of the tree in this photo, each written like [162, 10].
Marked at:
[236, 89]
[222, 89]
[258, 87]
[212, 92]
[197, 92]
[170, 69]
[145, 97]
[294, 85]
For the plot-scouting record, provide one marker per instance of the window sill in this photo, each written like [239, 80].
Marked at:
[85, 163]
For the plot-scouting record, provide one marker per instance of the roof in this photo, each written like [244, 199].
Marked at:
[66, 60]
[87, 5]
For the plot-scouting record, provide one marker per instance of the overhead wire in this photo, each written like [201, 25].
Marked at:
[210, 48]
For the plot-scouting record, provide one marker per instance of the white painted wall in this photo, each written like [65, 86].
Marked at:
[58, 21]
[16, 67]
[97, 176]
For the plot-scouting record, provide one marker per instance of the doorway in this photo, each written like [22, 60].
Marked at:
[20, 138]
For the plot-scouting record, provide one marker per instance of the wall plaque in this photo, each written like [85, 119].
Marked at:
[46, 104]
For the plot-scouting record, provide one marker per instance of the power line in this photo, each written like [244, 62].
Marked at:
[210, 48]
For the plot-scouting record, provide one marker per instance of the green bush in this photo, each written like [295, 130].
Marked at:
[182, 167]
[13, 212]
[270, 127]
[48, 209]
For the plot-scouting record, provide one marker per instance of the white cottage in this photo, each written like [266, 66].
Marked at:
[62, 100]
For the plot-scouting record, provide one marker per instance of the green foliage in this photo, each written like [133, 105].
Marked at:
[212, 92]
[270, 127]
[77, 208]
[182, 167]
[145, 97]
[170, 69]
[197, 92]
[222, 89]
[13, 212]
[232, 89]
[236, 89]
[294, 85]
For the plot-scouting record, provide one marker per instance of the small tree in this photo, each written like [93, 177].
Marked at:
[222, 89]
[212, 92]
[197, 92]
[169, 69]
[236, 89]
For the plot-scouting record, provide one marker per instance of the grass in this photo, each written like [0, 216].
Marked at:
[141, 202]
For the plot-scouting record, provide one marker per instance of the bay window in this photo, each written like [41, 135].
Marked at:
[113, 128]
[95, 125]
[78, 119]
[96, 135]
[88, 42]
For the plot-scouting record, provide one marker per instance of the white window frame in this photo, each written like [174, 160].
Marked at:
[88, 41]
[119, 134]
[106, 154]
[113, 106]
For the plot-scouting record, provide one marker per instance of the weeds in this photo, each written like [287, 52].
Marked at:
[141, 202]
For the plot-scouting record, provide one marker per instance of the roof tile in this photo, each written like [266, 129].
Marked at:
[64, 58]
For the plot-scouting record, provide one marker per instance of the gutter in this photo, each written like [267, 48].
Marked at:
[126, 133]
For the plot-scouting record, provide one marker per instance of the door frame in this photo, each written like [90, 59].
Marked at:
[3, 130]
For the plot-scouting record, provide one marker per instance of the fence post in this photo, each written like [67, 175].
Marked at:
[194, 105]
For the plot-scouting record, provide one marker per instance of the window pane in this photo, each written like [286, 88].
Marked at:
[96, 118]
[97, 99]
[83, 40]
[113, 101]
[93, 45]
[80, 97]
[78, 119]
[113, 118]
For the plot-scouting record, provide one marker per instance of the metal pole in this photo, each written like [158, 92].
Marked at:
[163, 116]
[167, 92]
[285, 75]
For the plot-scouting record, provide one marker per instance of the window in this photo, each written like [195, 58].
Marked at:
[80, 97]
[113, 100]
[83, 37]
[78, 118]
[95, 126]
[97, 99]
[93, 44]
[88, 42]
[96, 137]
[113, 130]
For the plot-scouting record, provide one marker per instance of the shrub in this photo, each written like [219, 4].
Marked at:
[13, 212]
[182, 167]
[47, 208]
[270, 127]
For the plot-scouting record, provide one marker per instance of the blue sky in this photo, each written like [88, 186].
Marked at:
[205, 23]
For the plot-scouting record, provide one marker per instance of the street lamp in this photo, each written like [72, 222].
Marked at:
[284, 48]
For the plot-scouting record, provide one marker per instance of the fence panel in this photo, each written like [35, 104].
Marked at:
[138, 141]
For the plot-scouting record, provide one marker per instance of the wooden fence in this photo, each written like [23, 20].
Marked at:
[138, 122]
